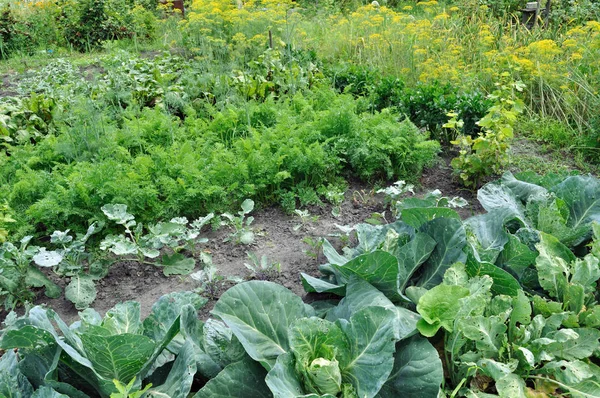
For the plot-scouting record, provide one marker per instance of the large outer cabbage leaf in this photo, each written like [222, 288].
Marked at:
[417, 372]
[260, 314]
[451, 239]
[245, 378]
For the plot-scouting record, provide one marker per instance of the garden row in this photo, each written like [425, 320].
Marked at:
[508, 297]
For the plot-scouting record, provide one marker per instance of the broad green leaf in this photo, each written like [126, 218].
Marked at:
[283, 380]
[221, 344]
[117, 213]
[415, 217]
[26, 338]
[489, 333]
[45, 258]
[490, 236]
[496, 196]
[316, 285]
[166, 310]
[497, 370]
[332, 255]
[259, 314]
[517, 258]
[438, 308]
[36, 278]
[81, 291]
[551, 220]
[583, 345]
[12, 382]
[581, 194]
[411, 256]
[451, 239]
[569, 372]
[362, 295]
[510, 386]
[119, 357]
[523, 190]
[417, 370]
[123, 318]
[240, 379]
[180, 378]
[553, 265]
[47, 392]
[247, 206]
[192, 329]
[378, 268]
[370, 332]
[504, 283]
[586, 272]
[589, 387]
[177, 264]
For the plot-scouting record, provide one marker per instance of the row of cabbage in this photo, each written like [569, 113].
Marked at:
[501, 304]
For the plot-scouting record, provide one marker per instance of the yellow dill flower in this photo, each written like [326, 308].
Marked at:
[407, 8]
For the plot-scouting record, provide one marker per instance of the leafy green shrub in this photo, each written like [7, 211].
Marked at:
[14, 34]
[488, 153]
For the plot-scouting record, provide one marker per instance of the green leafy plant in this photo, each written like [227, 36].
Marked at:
[240, 224]
[305, 219]
[315, 245]
[5, 218]
[262, 269]
[510, 339]
[488, 153]
[175, 235]
[100, 356]
[18, 274]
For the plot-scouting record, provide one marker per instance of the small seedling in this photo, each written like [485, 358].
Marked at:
[240, 224]
[305, 218]
[397, 189]
[262, 269]
[315, 244]
[364, 197]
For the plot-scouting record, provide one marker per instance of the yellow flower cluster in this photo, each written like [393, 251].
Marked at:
[239, 26]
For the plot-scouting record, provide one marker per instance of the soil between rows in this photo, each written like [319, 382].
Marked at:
[275, 238]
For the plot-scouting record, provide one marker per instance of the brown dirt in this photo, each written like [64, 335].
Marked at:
[275, 238]
[9, 85]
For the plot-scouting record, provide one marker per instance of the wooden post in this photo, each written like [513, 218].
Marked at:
[270, 39]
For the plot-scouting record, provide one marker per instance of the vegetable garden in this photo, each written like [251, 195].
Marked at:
[147, 153]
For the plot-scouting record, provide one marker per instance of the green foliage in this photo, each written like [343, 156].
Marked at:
[488, 153]
[175, 235]
[262, 269]
[111, 355]
[18, 274]
[240, 224]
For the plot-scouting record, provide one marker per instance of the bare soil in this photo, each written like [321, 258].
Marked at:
[275, 238]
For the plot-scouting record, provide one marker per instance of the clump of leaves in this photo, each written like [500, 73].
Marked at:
[18, 274]
[397, 189]
[111, 356]
[511, 338]
[262, 269]
[176, 235]
[487, 154]
[5, 218]
[305, 219]
[240, 224]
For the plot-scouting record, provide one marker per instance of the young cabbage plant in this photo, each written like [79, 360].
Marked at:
[262, 269]
[240, 224]
[84, 268]
[176, 235]
[18, 274]
[305, 219]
